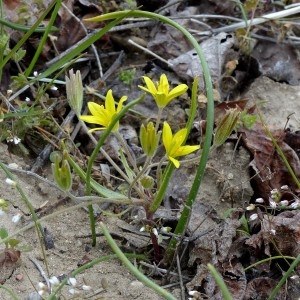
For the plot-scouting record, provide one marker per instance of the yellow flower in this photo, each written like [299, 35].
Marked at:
[103, 115]
[161, 94]
[173, 144]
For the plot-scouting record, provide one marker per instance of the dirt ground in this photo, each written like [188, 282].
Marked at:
[70, 250]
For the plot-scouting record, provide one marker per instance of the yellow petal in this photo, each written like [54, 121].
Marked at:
[98, 128]
[177, 91]
[185, 150]
[120, 104]
[167, 136]
[174, 161]
[90, 119]
[95, 108]
[179, 137]
[150, 85]
[110, 103]
[160, 99]
[164, 84]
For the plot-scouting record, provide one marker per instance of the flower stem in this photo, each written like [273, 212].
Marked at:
[126, 149]
[93, 156]
[132, 268]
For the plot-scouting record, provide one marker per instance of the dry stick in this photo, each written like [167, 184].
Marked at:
[147, 51]
[163, 271]
[43, 274]
[85, 30]
[180, 277]
[256, 21]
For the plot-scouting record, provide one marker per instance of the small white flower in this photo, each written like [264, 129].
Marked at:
[143, 228]
[273, 231]
[41, 292]
[253, 217]
[295, 205]
[16, 218]
[42, 288]
[53, 88]
[274, 192]
[27, 99]
[16, 140]
[73, 292]
[9, 92]
[250, 207]
[72, 281]
[155, 232]
[10, 182]
[54, 281]
[259, 200]
[284, 203]
[86, 287]
[194, 293]
[35, 74]
[272, 204]
[166, 229]
[285, 188]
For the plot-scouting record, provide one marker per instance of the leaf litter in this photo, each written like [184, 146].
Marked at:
[237, 173]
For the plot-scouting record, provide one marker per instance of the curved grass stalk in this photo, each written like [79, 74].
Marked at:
[281, 154]
[285, 277]
[268, 259]
[140, 276]
[10, 292]
[220, 282]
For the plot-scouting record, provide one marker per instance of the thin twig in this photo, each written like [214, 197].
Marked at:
[180, 277]
[40, 269]
[85, 30]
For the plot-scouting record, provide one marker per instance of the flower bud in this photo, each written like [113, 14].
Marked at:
[62, 173]
[225, 126]
[147, 182]
[149, 139]
[74, 91]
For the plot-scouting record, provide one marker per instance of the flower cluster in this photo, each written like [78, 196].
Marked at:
[149, 137]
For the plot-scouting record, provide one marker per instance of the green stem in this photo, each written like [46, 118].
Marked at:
[10, 292]
[126, 150]
[159, 114]
[93, 156]
[268, 259]
[26, 36]
[43, 39]
[162, 189]
[285, 277]
[281, 154]
[220, 282]
[185, 215]
[138, 176]
[140, 276]
[25, 28]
